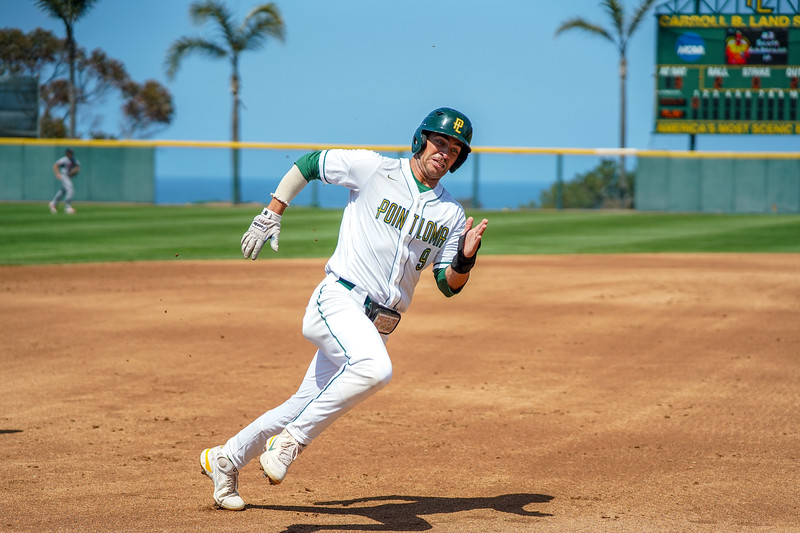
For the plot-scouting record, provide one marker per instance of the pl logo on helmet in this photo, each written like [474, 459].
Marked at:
[446, 121]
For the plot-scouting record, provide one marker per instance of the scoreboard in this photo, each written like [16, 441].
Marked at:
[728, 74]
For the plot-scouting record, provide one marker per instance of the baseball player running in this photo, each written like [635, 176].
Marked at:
[65, 168]
[399, 221]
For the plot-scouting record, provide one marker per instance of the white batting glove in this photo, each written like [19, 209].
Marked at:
[265, 227]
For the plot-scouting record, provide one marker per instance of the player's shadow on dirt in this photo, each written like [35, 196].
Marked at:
[404, 513]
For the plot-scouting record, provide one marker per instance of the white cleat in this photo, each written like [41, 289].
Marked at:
[52, 207]
[279, 453]
[216, 465]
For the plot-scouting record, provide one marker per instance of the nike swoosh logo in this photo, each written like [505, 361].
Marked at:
[389, 176]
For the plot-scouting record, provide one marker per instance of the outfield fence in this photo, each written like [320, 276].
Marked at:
[493, 177]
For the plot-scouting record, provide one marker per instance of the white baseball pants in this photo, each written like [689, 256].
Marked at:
[351, 364]
[65, 191]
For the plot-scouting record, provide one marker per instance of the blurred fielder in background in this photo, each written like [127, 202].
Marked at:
[65, 168]
[399, 220]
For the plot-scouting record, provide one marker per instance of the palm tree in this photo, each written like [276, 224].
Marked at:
[69, 11]
[262, 21]
[620, 35]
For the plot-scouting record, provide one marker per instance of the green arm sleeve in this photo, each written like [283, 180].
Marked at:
[441, 282]
[309, 165]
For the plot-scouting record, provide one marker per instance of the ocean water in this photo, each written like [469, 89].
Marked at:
[187, 190]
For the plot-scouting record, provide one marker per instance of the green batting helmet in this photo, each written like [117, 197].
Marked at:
[448, 122]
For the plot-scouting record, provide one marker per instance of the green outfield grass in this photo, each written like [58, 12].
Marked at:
[29, 234]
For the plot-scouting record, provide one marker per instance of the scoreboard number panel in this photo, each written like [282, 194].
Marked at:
[728, 74]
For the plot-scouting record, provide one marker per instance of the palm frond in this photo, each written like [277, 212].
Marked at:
[67, 10]
[202, 12]
[638, 15]
[190, 45]
[579, 23]
[617, 13]
[262, 22]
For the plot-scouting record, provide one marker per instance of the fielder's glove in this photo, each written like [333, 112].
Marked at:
[265, 227]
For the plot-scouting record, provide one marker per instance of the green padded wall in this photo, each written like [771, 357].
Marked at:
[718, 185]
[107, 174]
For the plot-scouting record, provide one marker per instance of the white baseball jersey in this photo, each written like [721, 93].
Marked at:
[65, 165]
[390, 231]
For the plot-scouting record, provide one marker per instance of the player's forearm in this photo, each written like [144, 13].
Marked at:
[289, 187]
[276, 206]
[455, 280]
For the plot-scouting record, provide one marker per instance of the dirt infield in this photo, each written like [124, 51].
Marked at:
[557, 393]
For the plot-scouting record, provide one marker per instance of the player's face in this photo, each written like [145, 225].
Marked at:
[440, 152]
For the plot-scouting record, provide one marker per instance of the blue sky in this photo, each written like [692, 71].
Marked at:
[367, 72]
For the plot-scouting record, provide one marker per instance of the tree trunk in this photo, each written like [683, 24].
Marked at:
[237, 194]
[71, 89]
[623, 75]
